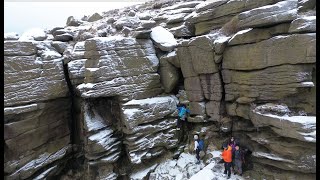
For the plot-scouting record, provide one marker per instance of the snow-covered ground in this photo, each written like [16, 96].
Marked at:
[185, 168]
[214, 171]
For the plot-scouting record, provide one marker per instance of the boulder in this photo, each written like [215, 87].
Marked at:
[71, 21]
[35, 135]
[25, 71]
[34, 34]
[169, 75]
[17, 48]
[65, 37]
[304, 24]
[284, 163]
[284, 11]
[184, 30]
[302, 128]
[293, 149]
[221, 8]
[147, 15]
[143, 34]
[131, 22]
[148, 24]
[204, 27]
[11, 36]
[94, 17]
[59, 46]
[185, 60]
[131, 13]
[172, 58]
[201, 50]
[104, 77]
[144, 141]
[76, 69]
[175, 18]
[102, 141]
[254, 35]
[163, 39]
[189, 4]
[306, 5]
[209, 5]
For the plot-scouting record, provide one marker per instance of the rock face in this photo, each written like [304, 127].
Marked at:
[37, 110]
[149, 127]
[97, 99]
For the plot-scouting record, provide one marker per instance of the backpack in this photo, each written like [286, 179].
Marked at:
[201, 145]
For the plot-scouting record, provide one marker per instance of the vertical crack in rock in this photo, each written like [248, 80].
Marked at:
[73, 125]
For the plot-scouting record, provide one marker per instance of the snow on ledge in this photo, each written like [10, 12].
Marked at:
[148, 101]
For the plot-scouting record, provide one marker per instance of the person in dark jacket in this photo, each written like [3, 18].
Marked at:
[232, 142]
[238, 160]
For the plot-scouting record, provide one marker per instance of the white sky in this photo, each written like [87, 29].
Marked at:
[21, 16]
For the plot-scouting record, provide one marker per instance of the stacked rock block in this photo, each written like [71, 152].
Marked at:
[268, 67]
[121, 112]
[36, 110]
[260, 56]
[247, 67]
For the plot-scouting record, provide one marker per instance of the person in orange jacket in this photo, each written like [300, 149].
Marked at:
[227, 158]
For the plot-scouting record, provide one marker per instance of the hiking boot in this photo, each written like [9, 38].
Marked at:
[228, 177]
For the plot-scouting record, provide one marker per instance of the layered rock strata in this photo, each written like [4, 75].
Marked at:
[108, 85]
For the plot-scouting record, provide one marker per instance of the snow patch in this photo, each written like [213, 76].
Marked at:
[186, 159]
[85, 86]
[33, 34]
[270, 156]
[163, 37]
[148, 101]
[307, 84]
[141, 174]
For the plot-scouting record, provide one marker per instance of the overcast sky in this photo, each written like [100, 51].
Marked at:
[21, 16]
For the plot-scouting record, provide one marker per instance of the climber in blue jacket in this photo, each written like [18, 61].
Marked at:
[182, 114]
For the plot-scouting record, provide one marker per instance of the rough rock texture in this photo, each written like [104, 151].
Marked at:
[37, 112]
[97, 99]
[105, 77]
[302, 128]
[260, 85]
[284, 11]
[271, 52]
[169, 75]
[28, 65]
[149, 127]
[303, 24]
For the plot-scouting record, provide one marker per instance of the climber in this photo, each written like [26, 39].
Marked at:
[227, 158]
[198, 146]
[182, 113]
[238, 160]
